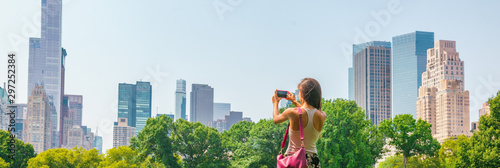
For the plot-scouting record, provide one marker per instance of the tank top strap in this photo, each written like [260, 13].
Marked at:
[310, 115]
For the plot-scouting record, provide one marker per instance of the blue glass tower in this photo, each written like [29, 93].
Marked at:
[180, 100]
[409, 61]
[143, 104]
[126, 102]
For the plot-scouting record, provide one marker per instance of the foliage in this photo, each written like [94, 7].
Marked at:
[419, 161]
[122, 156]
[60, 157]
[483, 148]
[200, 145]
[24, 151]
[154, 141]
[237, 140]
[448, 153]
[409, 137]
[348, 140]
[3, 163]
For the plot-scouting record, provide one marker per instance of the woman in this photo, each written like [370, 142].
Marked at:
[312, 118]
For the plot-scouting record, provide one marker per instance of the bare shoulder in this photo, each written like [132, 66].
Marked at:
[321, 114]
[291, 111]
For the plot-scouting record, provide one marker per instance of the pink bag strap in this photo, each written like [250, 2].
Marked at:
[301, 131]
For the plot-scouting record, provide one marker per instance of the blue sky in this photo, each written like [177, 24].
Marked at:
[257, 47]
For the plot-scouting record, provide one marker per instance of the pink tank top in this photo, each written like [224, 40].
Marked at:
[311, 135]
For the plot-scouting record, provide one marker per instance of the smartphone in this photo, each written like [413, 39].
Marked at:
[282, 93]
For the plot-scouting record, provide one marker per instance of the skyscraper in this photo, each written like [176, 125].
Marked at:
[221, 110]
[202, 104]
[372, 79]
[409, 60]
[143, 104]
[355, 49]
[134, 103]
[126, 102]
[75, 105]
[180, 100]
[98, 143]
[442, 100]
[37, 127]
[122, 133]
[44, 65]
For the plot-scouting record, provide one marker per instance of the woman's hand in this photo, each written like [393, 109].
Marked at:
[290, 96]
[276, 99]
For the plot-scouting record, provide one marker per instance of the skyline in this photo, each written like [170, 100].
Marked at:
[216, 42]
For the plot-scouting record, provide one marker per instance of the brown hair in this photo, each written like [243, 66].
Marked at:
[311, 92]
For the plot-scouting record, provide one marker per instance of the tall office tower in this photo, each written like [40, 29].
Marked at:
[372, 72]
[74, 137]
[134, 103]
[409, 59]
[442, 100]
[202, 104]
[180, 100]
[44, 65]
[122, 133]
[37, 127]
[21, 112]
[88, 140]
[75, 107]
[221, 110]
[143, 104]
[233, 118]
[355, 49]
[98, 143]
[126, 102]
[54, 121]
[62, 106]
[485, 110]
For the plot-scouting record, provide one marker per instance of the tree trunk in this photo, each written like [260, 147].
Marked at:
[406, 160]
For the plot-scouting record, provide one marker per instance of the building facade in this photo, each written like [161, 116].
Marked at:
[485, 110]
[372, 71]
[134, 103]
[442, 99]
[45, 56]
[180, 100]
[355, 49]
[409, 60]
[221, 110]
[143, 104]
[74, 137]
[202, 104]
[122, 133]
[98, 143]
[37, 127]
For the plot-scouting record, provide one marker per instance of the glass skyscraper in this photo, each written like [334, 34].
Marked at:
[355, 49]
[202, 104]
[134, 103]
[126, 102]
[409, 59]
[180, 100]
[221, 110]
[143, 104]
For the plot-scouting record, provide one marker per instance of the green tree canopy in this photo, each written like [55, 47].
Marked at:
[200, 145]
[23, 152]
[237, 140]
[154, 141]
[483, 148]
[60, 157]
[409, 137]
[348, 140]
[4, 164]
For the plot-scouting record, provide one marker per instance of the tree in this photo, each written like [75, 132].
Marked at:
[200, 145]
[60, 157]
[410, 138]
[266, 138]
[154, 141]
[23, 153]
[348, 140]
[448, 153]
[483, 148]
[420, 161]
[237, 140]
[4, 164]
[122, 156]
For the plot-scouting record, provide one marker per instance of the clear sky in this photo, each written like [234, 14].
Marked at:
[244, 52]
